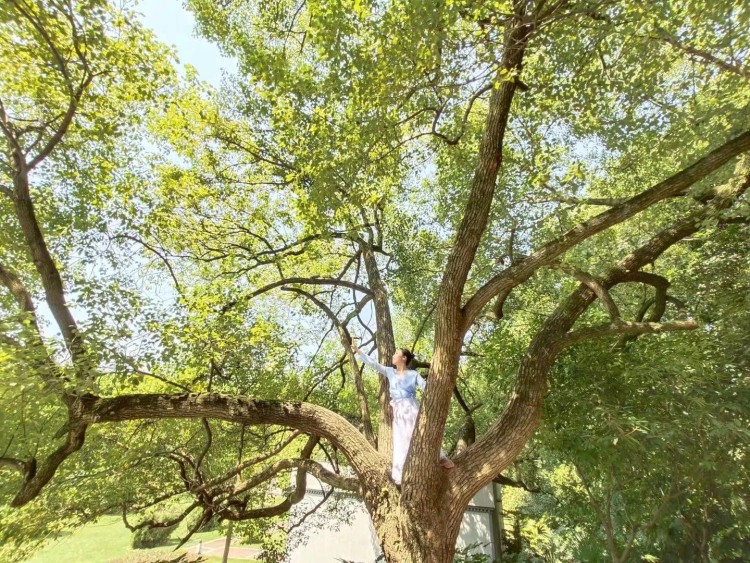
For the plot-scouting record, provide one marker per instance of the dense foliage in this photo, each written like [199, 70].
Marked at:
[162, 236]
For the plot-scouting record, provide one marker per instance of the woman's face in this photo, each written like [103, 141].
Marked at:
[398, 358]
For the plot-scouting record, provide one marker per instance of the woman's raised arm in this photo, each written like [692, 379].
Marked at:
[368, 360]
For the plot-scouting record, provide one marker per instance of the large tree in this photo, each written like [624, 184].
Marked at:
[426, 157]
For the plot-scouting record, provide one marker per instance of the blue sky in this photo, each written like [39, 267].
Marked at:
[175, 26]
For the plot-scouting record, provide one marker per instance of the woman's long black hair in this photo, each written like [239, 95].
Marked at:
[409, 356]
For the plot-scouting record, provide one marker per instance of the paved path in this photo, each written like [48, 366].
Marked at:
[216, 549]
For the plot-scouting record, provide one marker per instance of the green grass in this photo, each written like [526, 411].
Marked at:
[105, 540]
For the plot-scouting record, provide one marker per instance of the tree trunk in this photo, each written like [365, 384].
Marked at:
[228, 542]
[410, 537]
[386, 347]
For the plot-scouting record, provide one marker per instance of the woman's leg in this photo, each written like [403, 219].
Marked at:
[404, 418]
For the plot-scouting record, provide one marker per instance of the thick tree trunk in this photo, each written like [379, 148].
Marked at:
[410, 535]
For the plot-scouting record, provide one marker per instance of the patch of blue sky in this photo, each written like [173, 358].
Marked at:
[174, 25]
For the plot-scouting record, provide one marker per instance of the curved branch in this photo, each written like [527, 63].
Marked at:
[312, 419]
[661, 285]
[467, 111]
[623, 328]
[23, 467]
[504, 439]
[520, 272]
[35, 481]
[336, 480]
[308, 418]
[163, 258]
[508, 482]
[594, 285]
[502, 297]
[240, 467]
[649, 303]
[324, 375]
[299, 280]
[303, 465]
[346, 340]
[271, 471]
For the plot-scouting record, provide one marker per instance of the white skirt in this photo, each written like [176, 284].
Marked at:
[405, 413]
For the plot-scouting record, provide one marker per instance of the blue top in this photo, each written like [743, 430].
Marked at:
[400, 386]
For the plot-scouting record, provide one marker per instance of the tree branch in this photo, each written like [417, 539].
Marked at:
[299, 280]
[19, 292]
[23, 467]
[49, 273]
[661, 285]
[594, 285]
[159, 254]
[703, 55]
[449, 320]
[309, 418]
[346, 341]
[245, 464]
[508, 482]
[623, 328]
[22, 296]
[384, 341]
[35, 481]
[524, 269]
[507, 435]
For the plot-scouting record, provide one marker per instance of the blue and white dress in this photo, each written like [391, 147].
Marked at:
[403, 392]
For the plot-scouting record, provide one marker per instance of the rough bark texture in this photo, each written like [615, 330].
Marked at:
[386, 347]
[412, 537]
[425, 483]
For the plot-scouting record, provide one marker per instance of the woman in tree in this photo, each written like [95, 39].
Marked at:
[402, 383]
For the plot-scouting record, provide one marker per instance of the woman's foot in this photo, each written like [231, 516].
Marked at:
[446, 463]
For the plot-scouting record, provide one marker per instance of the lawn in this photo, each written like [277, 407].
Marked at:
[105, 540]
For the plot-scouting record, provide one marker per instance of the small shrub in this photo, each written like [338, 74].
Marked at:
[144, 538]
[471, 554]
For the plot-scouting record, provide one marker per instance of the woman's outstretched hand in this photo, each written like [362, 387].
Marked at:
[355, 347]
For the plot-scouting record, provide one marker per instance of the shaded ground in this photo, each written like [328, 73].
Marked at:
[215, 548]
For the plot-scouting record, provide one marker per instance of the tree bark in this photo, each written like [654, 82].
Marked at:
[407, 535]
[386, 347]
[421, 466]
